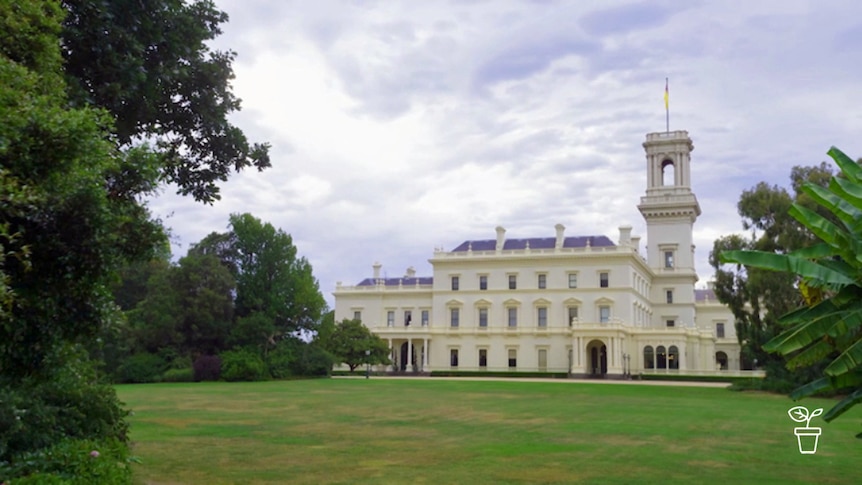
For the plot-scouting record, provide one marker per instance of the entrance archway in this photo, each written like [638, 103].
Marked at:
[721, 360]
[598, 355]
[403, 362]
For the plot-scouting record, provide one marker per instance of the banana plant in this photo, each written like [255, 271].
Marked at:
[829, 324]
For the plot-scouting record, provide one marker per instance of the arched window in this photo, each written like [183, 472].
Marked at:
[649, 363]
[673, 357]
[667, 173]
[661, 357]
[721, 360]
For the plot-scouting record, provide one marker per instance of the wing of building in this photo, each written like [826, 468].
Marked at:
[584, 305]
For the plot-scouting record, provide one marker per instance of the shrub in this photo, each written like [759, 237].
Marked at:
[141, 368]
[207, 368]
[242, 365]
[68, 403]
[71, 462]
[279, 361]
[313, 361]
[179, 375]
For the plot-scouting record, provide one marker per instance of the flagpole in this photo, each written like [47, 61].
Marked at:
[666, 108]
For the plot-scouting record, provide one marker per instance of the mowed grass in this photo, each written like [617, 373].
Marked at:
[449, 431]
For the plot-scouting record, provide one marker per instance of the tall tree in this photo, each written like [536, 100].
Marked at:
[148, 64]
[828, 324]
[756, 297]
[205, 293]
[276, 292]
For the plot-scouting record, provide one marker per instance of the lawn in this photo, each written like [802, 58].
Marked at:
[445, 432]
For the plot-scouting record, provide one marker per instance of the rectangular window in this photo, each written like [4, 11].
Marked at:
[669, 296]
[719, 329]
[483, 357]
[424, 318]
[670, 323]
[573, 314]
[603, 280]
[513, 317]
[543, 359]
[543, 281]
[604, 314]
[573, 280]
[483, 282]
[513, 358]
[454, 314]
[513, 282]
[357, 315]
[668, 259]
[543, 317]
[390, 318]
[483, 317]
[408, 318]
[453, 357]
[455, 283]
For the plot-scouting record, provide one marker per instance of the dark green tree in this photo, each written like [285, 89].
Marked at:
[68, 227]
[148, 64]
[65, 226]
[349, 342]
[756, 297]
[204, 290]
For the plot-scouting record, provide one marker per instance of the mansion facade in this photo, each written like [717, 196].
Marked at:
[582, 305]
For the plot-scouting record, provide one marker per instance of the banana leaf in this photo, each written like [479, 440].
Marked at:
[811, 355]
[854, 398]
[788, 264]
[849, 191]
[848, 166]
[849, 360]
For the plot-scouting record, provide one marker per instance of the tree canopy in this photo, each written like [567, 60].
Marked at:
[147, 62]
[756, 297]
[349, 342]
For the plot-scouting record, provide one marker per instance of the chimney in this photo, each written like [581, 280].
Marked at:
[636, 243]
[561, 229]
[376, 267]
[625, 235]
[501, 237]
[411, 272]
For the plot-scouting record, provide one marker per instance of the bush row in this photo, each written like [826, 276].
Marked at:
[288, 359]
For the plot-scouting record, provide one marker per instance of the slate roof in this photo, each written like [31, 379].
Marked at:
[705, 295]
[422, 280]
[535, 243]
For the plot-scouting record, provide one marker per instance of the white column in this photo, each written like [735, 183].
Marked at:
[392, 355]
[409, 355]
[424, 354]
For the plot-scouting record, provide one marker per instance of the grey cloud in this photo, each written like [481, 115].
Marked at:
[626, 18]
[530, 57]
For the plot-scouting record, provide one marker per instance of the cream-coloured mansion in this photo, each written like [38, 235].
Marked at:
[584, 305]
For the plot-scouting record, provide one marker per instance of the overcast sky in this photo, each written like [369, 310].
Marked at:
[398, 127]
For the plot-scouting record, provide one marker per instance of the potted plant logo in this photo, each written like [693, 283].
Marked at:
[807, 437]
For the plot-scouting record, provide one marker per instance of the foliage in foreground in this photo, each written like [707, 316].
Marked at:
[72, 462]
[829, 325]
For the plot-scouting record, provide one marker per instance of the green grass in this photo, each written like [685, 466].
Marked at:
[440, 432]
